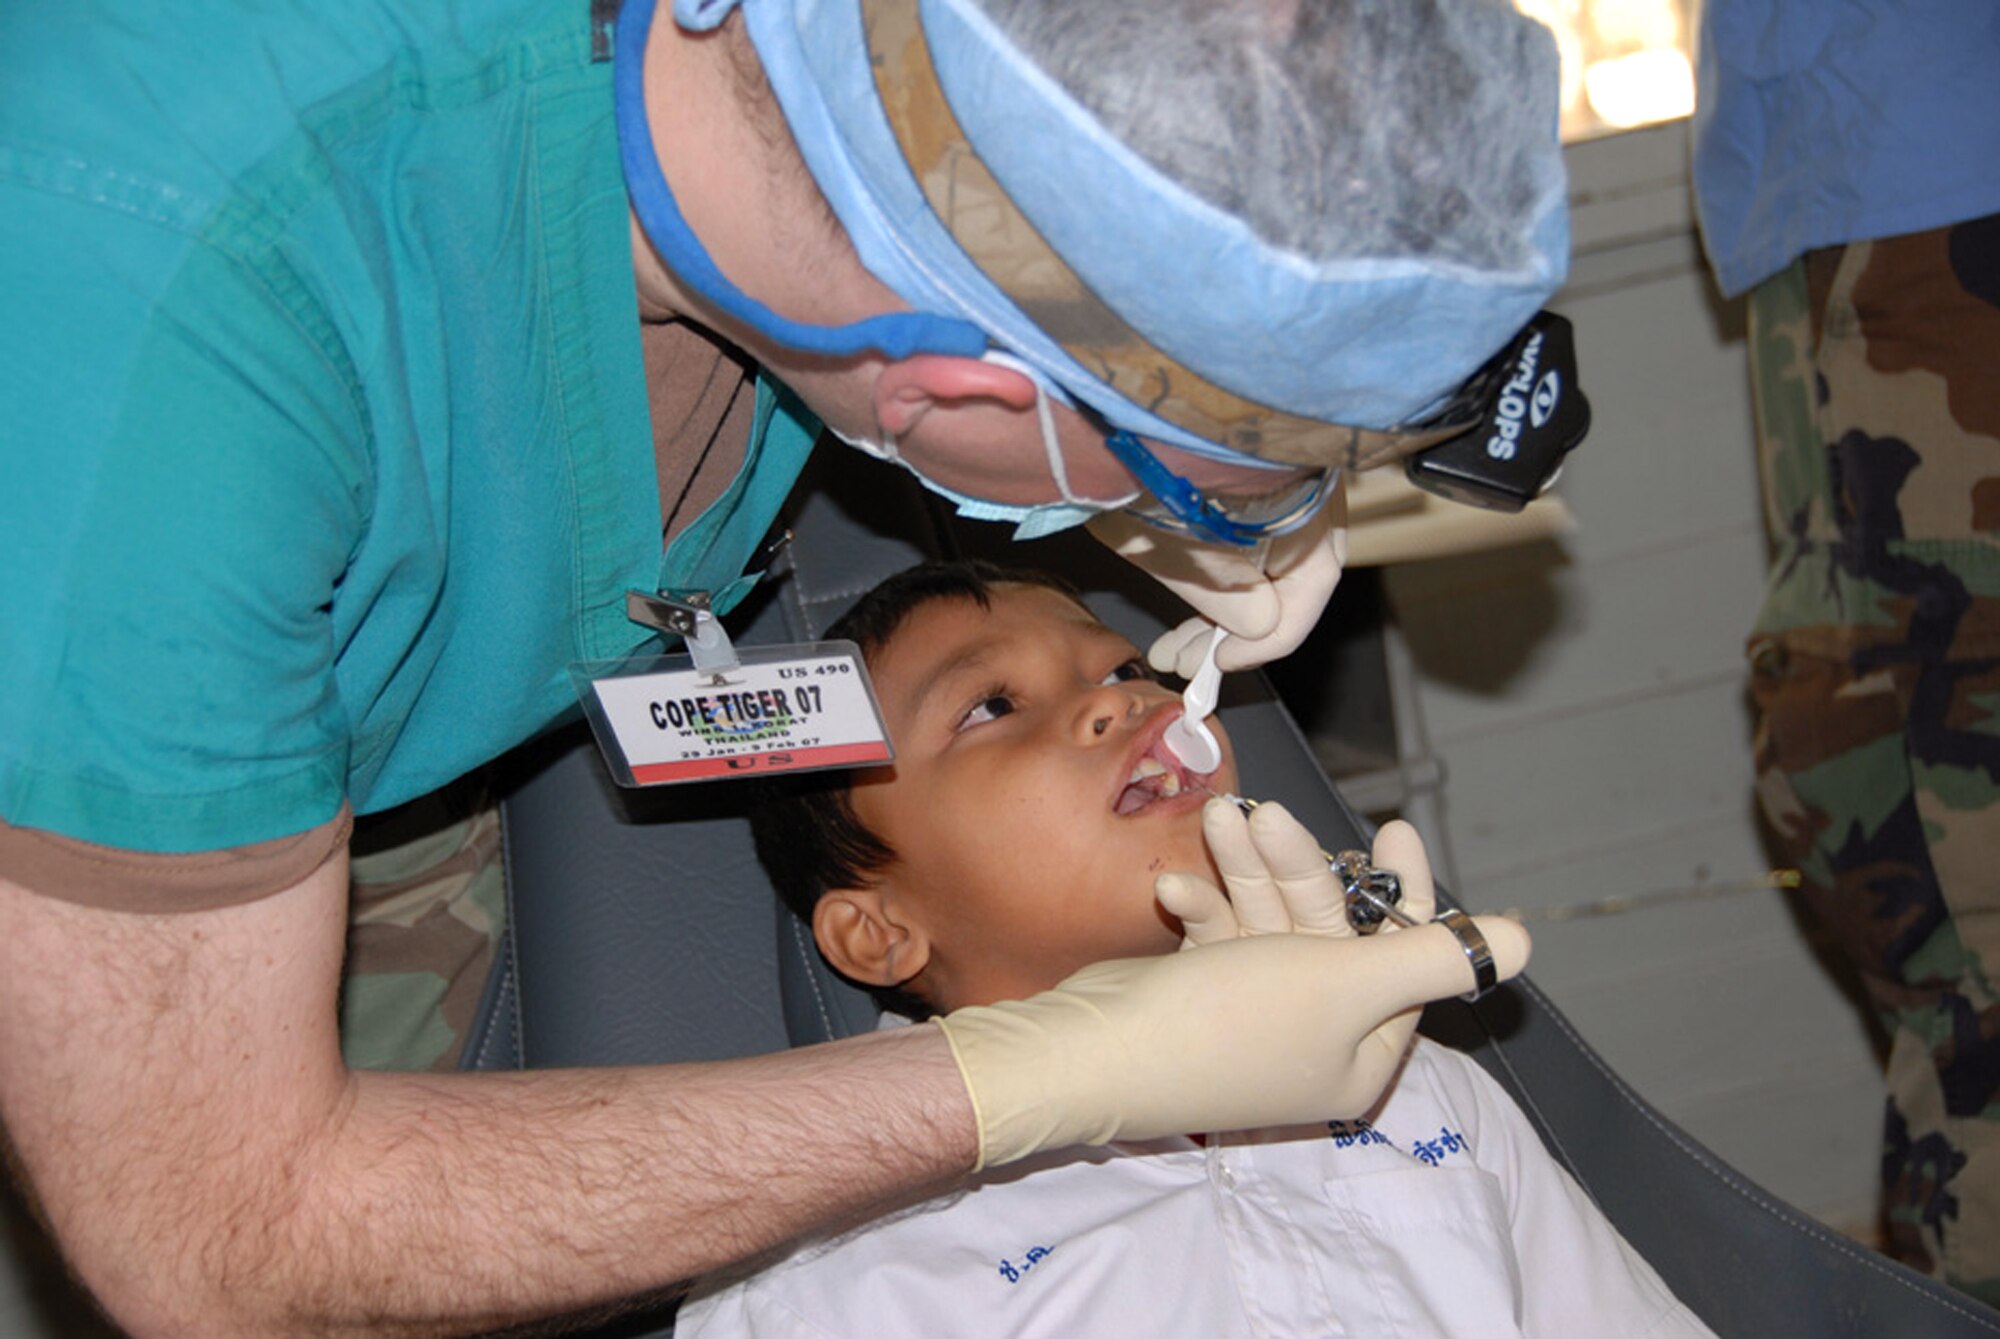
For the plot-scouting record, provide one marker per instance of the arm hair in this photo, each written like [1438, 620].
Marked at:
[174, 1091]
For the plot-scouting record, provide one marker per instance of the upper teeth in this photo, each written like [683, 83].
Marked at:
[1149, 766]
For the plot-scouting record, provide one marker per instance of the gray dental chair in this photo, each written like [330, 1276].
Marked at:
[643, 931]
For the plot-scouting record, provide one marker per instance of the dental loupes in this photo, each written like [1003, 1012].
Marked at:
[1189, 737]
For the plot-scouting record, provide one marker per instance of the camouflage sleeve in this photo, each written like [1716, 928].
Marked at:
[1875, 668]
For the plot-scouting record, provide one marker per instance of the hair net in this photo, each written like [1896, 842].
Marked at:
[1335, 210]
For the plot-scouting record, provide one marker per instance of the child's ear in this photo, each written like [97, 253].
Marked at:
[860, 934]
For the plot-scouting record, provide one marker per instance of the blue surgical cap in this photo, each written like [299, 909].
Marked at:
[975, 186]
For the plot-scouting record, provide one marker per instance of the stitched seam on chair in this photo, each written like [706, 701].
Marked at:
[805, 604]
[1524, 1095]
[511, 988]
[512, 1004]
[794, 600]
[1866, 1259]
[812, 979]
[510, 1001]
[485, 1050]
[842, 595]
[493, 1026]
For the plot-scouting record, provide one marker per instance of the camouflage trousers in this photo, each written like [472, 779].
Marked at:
[1876, 674]
[425, 912]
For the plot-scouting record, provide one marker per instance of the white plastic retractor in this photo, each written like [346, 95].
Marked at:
[1189, 737]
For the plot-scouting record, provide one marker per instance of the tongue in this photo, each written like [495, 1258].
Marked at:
[1137, 796]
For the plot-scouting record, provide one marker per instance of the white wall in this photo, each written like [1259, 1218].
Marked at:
[1586, 700]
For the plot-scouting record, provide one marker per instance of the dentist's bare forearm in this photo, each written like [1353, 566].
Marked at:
[588, 1185]
[173, 1089]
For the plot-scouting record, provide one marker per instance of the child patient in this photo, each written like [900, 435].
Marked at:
[1018, 838]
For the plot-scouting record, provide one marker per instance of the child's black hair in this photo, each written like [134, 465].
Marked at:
[808, 837]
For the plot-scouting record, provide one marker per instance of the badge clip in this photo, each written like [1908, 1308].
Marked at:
[687, 616]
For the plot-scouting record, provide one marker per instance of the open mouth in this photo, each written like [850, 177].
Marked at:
[1156, 776]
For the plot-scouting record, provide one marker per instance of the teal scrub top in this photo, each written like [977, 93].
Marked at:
[327, 446]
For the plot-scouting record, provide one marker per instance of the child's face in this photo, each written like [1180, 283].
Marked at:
[1024, 849]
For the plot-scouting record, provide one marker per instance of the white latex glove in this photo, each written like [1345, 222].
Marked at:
[1276, 879]
[1279, 881]
[1252, 1027]
[1267, 609]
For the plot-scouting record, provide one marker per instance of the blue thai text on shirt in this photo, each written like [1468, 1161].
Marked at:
[1348, 1133]
[1431, 1152]
[1035, 1255]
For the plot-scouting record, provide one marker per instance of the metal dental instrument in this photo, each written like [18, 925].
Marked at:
[1372, 893]
[1189, 737]
[1372, 897]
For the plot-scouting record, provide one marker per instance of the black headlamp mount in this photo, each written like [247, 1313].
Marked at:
[1531, 413]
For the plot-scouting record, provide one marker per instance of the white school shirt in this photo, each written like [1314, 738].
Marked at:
[1443, 1216]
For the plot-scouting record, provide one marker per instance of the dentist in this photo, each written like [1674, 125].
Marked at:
[357, 359]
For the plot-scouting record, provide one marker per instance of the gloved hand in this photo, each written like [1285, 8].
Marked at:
[1277, 881]
[1267, 609]
[1264, 1020]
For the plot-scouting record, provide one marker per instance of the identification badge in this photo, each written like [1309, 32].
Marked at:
[661, 720]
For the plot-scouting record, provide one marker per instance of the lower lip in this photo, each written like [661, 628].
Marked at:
[1189, 798]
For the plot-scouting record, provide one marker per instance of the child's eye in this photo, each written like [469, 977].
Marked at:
[991, 706]
[1135, 668]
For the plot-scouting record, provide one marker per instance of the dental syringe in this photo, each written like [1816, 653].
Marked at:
[1374, 894]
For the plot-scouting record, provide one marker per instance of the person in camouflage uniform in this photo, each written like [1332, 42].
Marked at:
[425, 912]
[1876, 673]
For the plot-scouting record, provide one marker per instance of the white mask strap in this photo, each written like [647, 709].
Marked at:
[1045, 416]
[883, 448]
[1050, 443]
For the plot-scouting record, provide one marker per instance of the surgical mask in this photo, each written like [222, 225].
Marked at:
[893, 334]
[1031, 521]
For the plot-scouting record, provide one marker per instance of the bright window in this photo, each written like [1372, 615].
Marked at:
[1625, 63]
